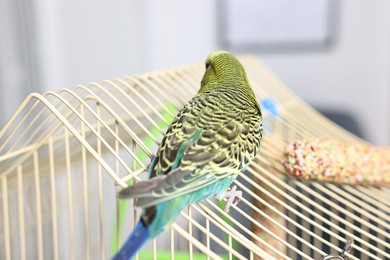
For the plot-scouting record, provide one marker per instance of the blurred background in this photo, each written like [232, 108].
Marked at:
[333, 54]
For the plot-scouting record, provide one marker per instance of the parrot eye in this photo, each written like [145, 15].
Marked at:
[207, 65]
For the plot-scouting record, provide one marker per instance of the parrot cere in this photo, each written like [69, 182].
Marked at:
[213, 138]
[338, 162]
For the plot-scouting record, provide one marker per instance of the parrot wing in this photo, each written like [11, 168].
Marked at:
[166, 187]
[182, 179]
[191, 157]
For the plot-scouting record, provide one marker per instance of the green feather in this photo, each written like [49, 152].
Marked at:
[184, 147]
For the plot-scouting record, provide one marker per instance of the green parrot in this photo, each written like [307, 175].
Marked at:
[214, 136]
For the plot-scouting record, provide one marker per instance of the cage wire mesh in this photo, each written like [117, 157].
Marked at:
[64, 155]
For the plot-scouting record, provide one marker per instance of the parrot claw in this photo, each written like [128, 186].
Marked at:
[232, 195]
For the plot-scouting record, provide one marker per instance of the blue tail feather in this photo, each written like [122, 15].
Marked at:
[135, 241]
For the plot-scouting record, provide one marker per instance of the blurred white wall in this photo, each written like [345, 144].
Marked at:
[83, 41]
[353, 75]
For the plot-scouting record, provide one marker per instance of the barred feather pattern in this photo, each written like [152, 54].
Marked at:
[231, 132]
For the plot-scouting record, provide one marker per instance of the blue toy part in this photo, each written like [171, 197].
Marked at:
[269, 105]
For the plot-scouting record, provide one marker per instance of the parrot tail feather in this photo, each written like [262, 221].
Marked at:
[135, 241]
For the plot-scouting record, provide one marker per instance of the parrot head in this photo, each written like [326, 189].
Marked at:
[222, 69]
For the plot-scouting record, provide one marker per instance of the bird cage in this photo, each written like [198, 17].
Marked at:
[64, 155]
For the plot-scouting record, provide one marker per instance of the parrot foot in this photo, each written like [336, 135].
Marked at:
[232, 195]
